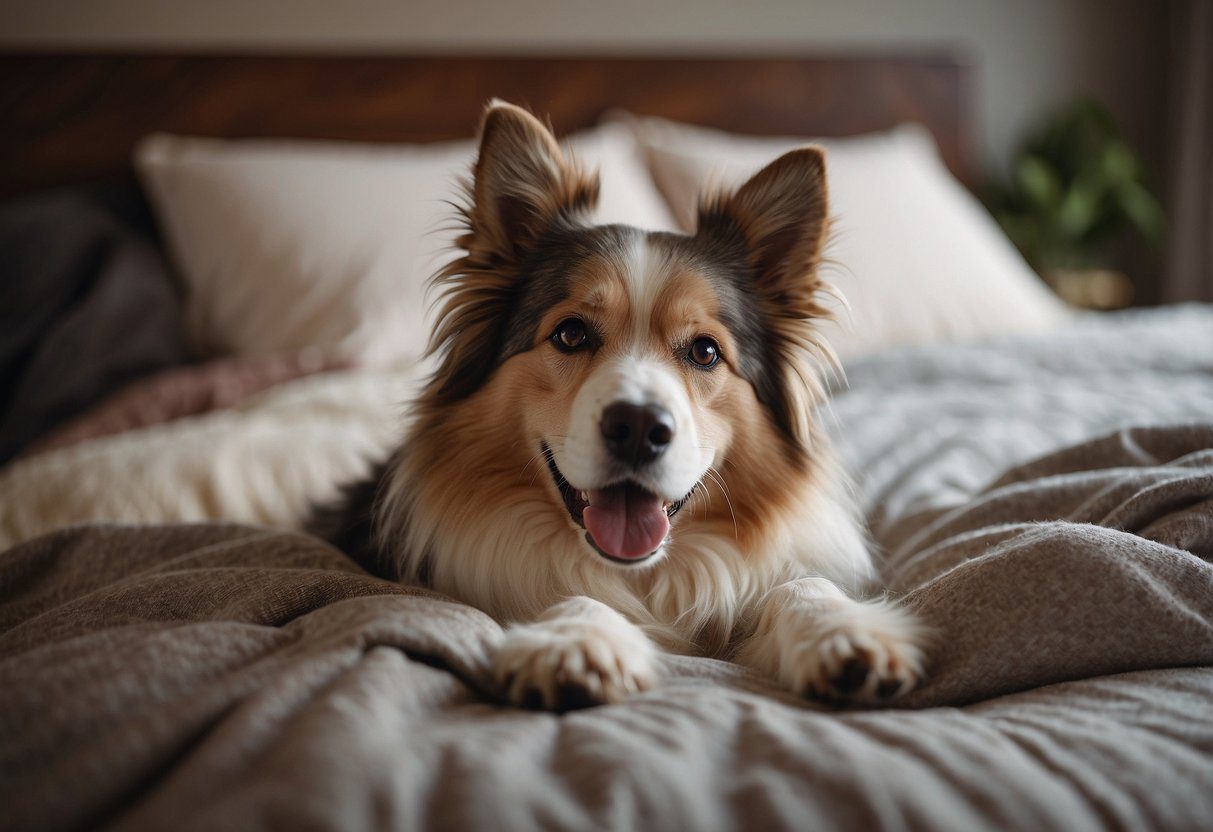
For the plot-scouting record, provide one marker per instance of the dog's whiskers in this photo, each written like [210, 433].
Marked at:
[535, 474]
[716, 477]
[540, 458]
[546, 455]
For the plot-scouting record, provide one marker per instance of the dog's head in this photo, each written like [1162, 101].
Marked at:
[640, 368]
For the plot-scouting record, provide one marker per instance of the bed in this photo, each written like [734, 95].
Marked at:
[176, 652]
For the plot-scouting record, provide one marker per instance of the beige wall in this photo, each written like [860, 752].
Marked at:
[1028, 53]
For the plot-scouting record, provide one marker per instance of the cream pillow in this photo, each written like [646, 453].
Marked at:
[916, 257]
[284, 244]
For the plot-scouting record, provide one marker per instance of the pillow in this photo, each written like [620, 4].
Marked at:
[288, 244]
[916, 257]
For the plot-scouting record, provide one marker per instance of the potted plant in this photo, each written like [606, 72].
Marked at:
[1075, 187]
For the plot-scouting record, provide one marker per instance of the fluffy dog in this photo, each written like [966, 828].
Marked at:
[618, 450]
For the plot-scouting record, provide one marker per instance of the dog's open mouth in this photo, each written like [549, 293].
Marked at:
[624, 522]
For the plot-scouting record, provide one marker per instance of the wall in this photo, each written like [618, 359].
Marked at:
[1028, 53]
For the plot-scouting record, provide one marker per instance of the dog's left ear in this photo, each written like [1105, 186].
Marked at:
[522, 183]
[779, 219]
[781, 213]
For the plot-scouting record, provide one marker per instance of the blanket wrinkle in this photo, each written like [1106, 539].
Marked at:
[1105, 492]
[216, 713]
[215, 676]
[1092, 594]
[1180, 494]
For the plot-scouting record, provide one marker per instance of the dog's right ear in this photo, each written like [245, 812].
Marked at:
[522, 184]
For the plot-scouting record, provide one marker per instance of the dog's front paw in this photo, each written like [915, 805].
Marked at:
[566, 664]
[869, 656]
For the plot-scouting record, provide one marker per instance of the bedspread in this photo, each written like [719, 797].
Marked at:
[1047, 509]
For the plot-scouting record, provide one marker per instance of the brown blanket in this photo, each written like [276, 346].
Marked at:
[223, 677]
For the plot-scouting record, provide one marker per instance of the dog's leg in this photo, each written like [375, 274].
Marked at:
[821, 643]
[579, 653]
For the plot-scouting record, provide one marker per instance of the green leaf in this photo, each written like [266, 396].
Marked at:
[1039, 181]
[1117, 163]
[1142, 210]
[1075, 185]
[1079, 210]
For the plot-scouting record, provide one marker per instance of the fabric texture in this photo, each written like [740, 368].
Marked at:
[86, 305]
[927, 428]
[916, 258]
[267, 459]
[184, 391]
[1046, 506]
[290, 244]
[202, 677]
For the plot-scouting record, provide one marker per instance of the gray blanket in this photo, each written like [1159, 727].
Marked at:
[220, 677]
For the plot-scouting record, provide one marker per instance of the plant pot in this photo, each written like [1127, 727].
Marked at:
[1091, 288]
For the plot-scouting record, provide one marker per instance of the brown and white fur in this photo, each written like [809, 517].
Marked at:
[484, 499]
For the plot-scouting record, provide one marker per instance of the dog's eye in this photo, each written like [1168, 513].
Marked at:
[704, 352]
[570, 335]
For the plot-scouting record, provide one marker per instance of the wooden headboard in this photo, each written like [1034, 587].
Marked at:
[75, 118]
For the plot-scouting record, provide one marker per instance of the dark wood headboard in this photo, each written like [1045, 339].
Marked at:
[75, 118]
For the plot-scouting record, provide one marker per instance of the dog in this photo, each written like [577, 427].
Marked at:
[618, 452]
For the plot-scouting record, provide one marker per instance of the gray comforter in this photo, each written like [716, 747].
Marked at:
[1047, 507]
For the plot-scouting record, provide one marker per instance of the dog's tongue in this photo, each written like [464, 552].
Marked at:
[626, 521]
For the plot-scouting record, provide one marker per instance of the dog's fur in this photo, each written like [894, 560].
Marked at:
[481, 500]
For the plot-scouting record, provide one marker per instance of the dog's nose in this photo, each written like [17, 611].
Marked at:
[637, 433]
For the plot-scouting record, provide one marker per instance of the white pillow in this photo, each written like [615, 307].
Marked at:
[285, 244]
[916, 257]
